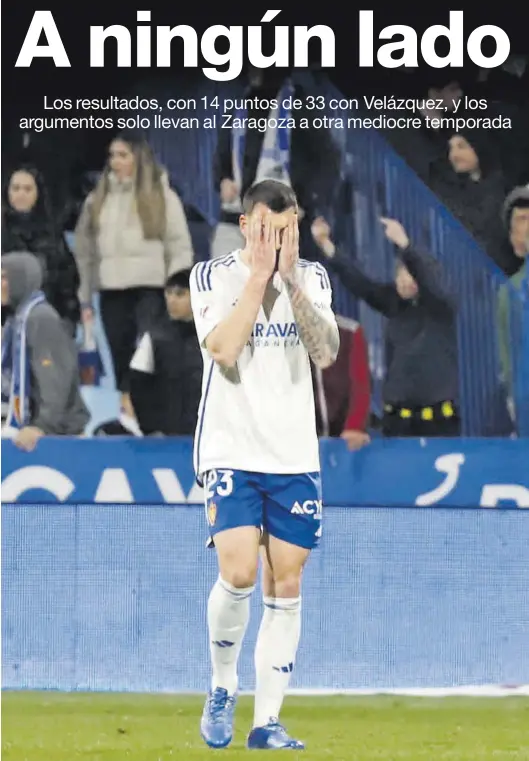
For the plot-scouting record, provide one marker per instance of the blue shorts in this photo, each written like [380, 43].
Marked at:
[288, 507]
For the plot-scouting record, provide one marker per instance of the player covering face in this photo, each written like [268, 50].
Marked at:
[260, 314]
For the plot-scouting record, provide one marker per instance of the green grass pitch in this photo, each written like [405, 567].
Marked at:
[115, 727]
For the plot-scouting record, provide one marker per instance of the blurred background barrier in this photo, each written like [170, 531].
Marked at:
[113, 598]
[457, 473]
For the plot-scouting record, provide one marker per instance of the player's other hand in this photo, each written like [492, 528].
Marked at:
[321, 232]
[229, 191]
[395, 232]
[261, 242]
[289, 252]
[355, 440]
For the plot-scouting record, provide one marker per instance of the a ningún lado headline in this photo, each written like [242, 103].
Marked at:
[291, 45]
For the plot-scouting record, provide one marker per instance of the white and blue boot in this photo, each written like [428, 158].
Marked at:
[272, 737]
[216, 725]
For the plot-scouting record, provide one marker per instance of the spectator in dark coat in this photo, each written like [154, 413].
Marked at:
[471, 185]
[28, 225]
[420, 390]
[166, 370]
[423, 147]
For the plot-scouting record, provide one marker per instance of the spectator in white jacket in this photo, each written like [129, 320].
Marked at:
[131, 236]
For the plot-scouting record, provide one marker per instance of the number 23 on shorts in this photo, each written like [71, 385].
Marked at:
[218, 482]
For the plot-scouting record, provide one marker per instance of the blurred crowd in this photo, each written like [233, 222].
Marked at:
[474, 169]
[132, 253]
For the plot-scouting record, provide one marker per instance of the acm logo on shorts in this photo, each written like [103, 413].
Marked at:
[309, 507]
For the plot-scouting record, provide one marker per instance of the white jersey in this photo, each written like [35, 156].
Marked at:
[258, 416]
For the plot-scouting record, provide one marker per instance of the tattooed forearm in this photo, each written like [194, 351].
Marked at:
[319, 337]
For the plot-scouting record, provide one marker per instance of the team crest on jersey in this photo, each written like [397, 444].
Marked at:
[212, 513]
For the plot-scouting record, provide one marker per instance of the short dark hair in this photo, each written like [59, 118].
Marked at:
[277, 196]
[178, 279]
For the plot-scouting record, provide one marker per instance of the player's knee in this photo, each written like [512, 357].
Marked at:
[238, 556]
[287, 585]
[240, 577]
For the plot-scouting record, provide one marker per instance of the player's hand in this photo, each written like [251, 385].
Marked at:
[321, 232]
[261, 241]
[289, 253]
[228, 190]
[395, 232]
[28, 437]
[355, 440]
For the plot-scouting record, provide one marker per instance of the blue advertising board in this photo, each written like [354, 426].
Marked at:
[106, 574]
[462, 473]
[114, 597]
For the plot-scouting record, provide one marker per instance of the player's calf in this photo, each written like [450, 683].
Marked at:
[275, 655]
[279, 633]
[228, 616]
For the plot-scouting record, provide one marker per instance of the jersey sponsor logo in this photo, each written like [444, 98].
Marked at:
[275, 330]
[275, 334]
[309, 507]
